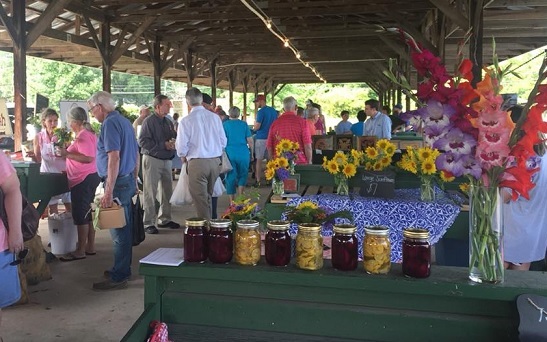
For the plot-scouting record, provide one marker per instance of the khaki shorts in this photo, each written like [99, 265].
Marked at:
[261, 152]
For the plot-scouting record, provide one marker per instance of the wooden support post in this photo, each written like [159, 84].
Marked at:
[475, 42]
[245, 81]
[190, 69]
[213, 71]
[106, 57]
[231, 85]
[19, 73]
[156, 62]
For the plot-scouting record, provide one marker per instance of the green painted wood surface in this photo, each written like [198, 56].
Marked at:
[347, 305]
[37, 186]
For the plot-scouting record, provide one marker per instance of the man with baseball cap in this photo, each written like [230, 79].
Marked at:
[264, 118]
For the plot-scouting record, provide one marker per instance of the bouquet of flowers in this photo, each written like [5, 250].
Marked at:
[277, 170]
[342, 166]
[289, 150]
[243, 208]
[310, 212]
[62, 135]
[421, 162]
[477, 140]
[378, 158]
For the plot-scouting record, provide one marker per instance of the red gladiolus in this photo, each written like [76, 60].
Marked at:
[466, 69]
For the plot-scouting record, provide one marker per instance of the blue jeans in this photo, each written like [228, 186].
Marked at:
[122, 238]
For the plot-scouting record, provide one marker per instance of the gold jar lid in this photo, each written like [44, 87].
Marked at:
[344, 228]
[377, 230]
[309, 227]
[247, 224]
[220, 223]
[278, 225]
[195, 222]
[416, 233]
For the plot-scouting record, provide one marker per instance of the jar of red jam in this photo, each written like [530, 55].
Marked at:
[278, 243]
[344, 247]
[220, 241]
[247, 242]
[376, 250]
[416, 253]
[195, 240]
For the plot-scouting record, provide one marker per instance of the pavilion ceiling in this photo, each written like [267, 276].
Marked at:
[344, 40]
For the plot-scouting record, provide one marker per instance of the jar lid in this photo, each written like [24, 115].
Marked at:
[195, 222]
[416, 233]
[344, 228]
[309, 227]
[278, 225]
[247, 224]
[377, 230]
[220, 223]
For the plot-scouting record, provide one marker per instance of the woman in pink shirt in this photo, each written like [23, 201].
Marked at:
[11, 242]
[83, 180]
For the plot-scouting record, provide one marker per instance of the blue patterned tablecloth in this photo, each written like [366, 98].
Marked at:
[403, 211]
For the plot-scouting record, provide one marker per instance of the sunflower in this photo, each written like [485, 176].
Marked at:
[382, 144]
[270, 164]
[340, 158]
[377, 166]
[464, 187]
[390, 149]
[447, 176]
[428, 166]
[385, 161]
[306, 204]
[325, 161]
[282, 162]
[332, 167]
[269, 173]
[371, 152]
[356, 155]
[295, 146]
[349, 170]
[285, 144]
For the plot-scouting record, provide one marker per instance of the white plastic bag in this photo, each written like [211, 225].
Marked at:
[219, 188]
[181, 193]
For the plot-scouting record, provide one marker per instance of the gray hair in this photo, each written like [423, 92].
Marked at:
[234, 112]
[289, 103]
[79, 114]
[105, 99]
[313, 111]
[194, 97]
[45, 113]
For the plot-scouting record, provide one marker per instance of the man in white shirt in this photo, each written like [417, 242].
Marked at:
[200, 141]
[378, 124]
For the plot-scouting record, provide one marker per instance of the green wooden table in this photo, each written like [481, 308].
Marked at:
[241, 303]
[37, 186]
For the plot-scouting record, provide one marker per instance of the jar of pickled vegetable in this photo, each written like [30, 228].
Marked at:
[220, 241]
[344, 247]
[376, 250]
[416, 253]
[278, 243]
[247, 242]
[309, 246]
[195, 240]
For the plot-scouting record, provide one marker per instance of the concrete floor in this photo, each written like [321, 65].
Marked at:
[67, 309]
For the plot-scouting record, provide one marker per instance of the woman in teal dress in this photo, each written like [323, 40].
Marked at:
[237, 149]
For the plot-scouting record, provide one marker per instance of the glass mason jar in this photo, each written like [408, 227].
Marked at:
[344, 247]
[416, 253]
[220, 241]
[277, 187]
[309, 246]
[247, 242]
[278, 243]
[195, 240]
[376, 250]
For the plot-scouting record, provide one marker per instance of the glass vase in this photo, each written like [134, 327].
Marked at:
[427, 190]
[277, 187]
[342, 186]
[291, 167]
[485, 234]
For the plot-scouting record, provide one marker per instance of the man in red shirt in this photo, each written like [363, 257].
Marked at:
[292, 127]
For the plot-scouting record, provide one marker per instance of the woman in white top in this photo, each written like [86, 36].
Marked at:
[44, 153]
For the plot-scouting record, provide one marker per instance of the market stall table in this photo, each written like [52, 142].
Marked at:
[405, 210]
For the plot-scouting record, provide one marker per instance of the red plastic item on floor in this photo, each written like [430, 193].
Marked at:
[159, 332]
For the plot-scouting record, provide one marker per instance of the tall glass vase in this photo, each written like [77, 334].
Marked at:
[277, 187]
[485, 235]
[342, 185]
[291, 167]
[427, 189]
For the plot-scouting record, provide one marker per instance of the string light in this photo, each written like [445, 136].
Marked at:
[270, 25]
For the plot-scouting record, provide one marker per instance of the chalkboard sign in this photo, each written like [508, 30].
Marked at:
[378, 184]
[533, 317]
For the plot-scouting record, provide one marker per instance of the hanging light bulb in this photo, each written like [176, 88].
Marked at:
[307, 65]
[298, 55]
[286, 43]
[269, 24]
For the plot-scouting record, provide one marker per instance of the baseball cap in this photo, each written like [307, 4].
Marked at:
[259, 98]
[398, 105]
[207, 99]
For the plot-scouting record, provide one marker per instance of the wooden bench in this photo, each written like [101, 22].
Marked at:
[206, 302]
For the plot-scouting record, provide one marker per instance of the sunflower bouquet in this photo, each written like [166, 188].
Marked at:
[422, 163]
[311, 212]
[277, 170]
[378, 157]
[62, 136]
[289, 150]
[343, 166]
[243, 208]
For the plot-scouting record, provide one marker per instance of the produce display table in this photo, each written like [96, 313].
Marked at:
[206, 302]
[38, 186]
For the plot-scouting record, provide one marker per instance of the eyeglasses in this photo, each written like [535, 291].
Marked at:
[18, 257]
[90, 109]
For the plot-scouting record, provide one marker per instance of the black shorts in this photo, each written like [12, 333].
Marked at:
[82, 195]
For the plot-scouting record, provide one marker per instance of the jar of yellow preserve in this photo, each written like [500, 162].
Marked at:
[309, 246]
[247, 242]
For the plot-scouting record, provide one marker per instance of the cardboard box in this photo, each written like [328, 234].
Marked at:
[109, 218]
